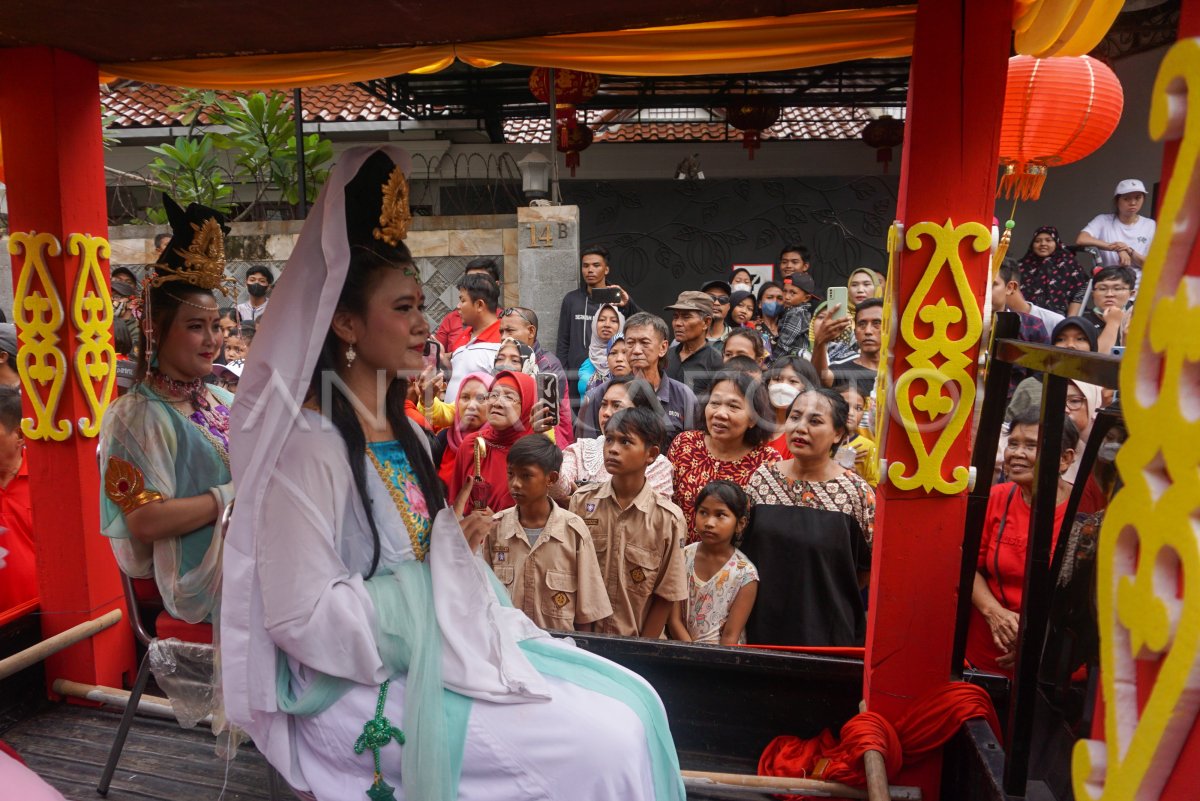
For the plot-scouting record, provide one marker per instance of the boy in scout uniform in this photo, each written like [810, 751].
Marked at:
[638, 534]
[542, 553]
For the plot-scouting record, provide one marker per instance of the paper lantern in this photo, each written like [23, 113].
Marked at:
[752, 116]
[1056, 111]
[571, 87]
[577, 138]
[883, 134]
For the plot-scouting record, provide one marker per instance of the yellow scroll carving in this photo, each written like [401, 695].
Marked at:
[938, 360]
[92, 315]
[1149, 549]
[38, 311]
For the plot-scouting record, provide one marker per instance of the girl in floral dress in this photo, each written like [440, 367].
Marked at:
[722, 582]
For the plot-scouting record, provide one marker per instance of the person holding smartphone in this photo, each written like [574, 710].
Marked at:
[868, 333]
[580, 305]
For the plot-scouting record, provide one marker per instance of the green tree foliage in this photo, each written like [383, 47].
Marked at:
[257, 146]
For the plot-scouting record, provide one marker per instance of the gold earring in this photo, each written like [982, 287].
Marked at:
[350, 355]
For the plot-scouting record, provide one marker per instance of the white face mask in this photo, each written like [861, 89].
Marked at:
[740, 287]
[1108, 452]
[782, 394]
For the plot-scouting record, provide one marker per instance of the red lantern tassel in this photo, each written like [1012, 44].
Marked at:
[1022, 181]
[751, 141]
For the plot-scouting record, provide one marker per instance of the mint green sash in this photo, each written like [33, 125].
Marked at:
[435, 719]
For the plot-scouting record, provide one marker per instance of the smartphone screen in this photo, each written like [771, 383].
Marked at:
[837, 296]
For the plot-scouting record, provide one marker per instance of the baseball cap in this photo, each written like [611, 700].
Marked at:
[718, 284]
[233, 368]
[1130, 185]
[693, 301]
[8, 338]
[803, 281]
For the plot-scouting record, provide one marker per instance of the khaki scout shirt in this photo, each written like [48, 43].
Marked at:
[640, 550]
[557, 582]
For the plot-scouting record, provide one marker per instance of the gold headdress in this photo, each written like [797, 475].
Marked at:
[394, 215]
[196, 252]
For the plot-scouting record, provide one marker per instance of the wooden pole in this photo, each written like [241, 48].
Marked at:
[813, 788]
[52, 645]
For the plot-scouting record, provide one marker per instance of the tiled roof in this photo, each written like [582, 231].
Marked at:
[140, 105]
[794, 123]
[143, 105]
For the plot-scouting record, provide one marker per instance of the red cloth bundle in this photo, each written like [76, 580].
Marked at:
[925, 728]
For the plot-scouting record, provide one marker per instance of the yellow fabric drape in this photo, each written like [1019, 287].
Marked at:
[750, 45]
[1062, 27]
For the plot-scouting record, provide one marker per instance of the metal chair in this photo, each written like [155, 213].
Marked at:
[201, 633]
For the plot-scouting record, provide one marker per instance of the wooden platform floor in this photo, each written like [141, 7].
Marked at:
[67, 745]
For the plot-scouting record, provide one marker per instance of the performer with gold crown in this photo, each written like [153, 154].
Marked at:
[164, 445]
[365, 646]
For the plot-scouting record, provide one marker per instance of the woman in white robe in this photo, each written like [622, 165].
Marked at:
[354, 606]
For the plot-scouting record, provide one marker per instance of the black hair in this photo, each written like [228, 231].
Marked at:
[10, 408]
[263, 270]
[484, 263]
[1126, 275]
[743, 364]
[640, 421]
[755, 393]
[526, 314]
[753, 336]
[165, 302]
[796, 248]
[728, 493]
[869, 303]
[122, 336]
[159, 238]
[1010, 270]
[839, 412]
[762, 290]
[802, 367]
[367, 262]
[595, 250]
[246, 330]
[535, 452]
[737, 270]
[639, 393]
[480, 287]
[1083, 324]
[1032, 416]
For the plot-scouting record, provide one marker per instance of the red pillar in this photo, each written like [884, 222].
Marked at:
[948, 172]
[54, 169]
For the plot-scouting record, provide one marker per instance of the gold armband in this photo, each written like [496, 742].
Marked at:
[125, 486]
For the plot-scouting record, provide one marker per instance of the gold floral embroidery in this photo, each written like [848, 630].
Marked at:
[418, 526]
[125, 486]
[204, 261]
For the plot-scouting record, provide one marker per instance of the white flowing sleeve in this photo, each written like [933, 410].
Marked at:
[315, 609]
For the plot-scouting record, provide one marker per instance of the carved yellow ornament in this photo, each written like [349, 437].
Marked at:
[92, 315]
[939, 361]
[1062, 27]
[38, 311]
[1149, 547]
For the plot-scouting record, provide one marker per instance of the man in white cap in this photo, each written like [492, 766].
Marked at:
[1123, 236]
[8, 356]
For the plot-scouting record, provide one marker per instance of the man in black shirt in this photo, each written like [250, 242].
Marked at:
[692, 360]
[579, 307]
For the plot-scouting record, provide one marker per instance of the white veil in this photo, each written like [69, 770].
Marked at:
[271, 391]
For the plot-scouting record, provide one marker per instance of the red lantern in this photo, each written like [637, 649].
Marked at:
[571, 88]
[752, 116]
[1056, 111]
[575, 138]
[883, 134]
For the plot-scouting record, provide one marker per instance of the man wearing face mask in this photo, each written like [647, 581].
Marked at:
[259, 279]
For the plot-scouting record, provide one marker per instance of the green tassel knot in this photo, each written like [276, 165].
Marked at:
[377, 733]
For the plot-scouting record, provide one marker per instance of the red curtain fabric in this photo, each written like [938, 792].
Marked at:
[925, 728]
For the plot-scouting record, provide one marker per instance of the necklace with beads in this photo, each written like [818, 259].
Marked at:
[212, 422]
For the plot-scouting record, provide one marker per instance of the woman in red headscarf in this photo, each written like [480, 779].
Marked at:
[512, 398]
[470, 415]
